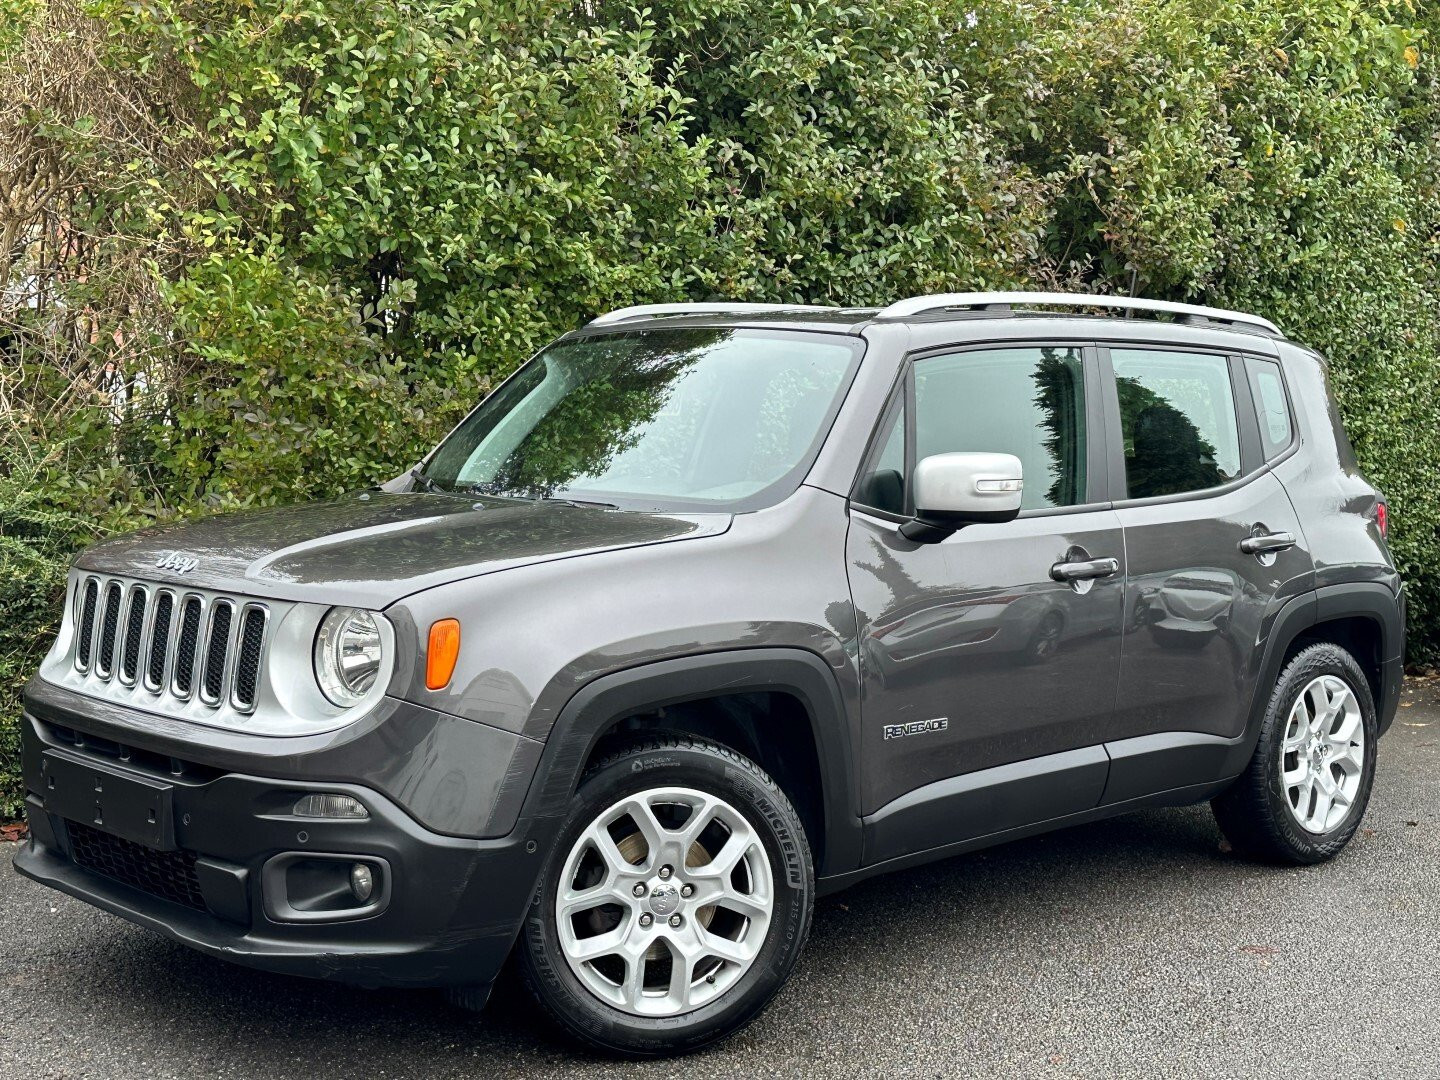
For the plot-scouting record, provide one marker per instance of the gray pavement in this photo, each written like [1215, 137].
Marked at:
[1135, 947]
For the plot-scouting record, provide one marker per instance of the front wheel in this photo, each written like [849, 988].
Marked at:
[675, 903]
[1304, 792]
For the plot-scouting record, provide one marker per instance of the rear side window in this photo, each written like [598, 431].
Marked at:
[1267, 386]
[1177, 420]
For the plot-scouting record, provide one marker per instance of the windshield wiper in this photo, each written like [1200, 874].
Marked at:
[471, 490]
[592, 503]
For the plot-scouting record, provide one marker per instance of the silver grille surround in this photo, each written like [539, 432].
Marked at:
[99, 666]
[284, 698]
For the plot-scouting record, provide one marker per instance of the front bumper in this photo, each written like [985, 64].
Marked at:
[451, 912]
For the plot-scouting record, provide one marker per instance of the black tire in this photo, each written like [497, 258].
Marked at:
[1254, 812]
[692, 763]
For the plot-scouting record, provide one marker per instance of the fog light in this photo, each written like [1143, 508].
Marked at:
[330, 806]
[362, 882]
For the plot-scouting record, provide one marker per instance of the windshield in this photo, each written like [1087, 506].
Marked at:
[670, 419]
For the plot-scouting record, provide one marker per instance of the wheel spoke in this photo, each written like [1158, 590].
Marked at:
[1333, 792]
[1323, 802]
[1350, 758]
[1295, 776]
[1346, 729]
[585, 899]
[753, 908]
[584, 950]
[633, 988]
[640, 812]
[1301, 802]
[736, 952]
[605, 846]
[682, 973]
[727, 858]
[1298, 728]
[1317, 701]
[701, 815]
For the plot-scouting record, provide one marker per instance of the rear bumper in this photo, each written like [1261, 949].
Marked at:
[452, 905]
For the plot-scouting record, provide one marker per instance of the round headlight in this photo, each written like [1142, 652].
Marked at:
[348, 652]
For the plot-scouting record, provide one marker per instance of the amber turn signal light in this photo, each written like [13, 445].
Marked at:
[444, 650]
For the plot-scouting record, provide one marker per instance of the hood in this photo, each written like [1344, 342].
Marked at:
[369, 550]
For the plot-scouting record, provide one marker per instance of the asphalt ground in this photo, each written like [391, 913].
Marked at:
[1133, 947]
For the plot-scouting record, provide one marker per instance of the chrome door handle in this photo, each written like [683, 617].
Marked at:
[1267, 544]
[1084, 570]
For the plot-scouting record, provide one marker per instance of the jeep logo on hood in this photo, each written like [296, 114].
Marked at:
[181, 564]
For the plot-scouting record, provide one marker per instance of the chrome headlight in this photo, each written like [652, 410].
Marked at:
[348, 655]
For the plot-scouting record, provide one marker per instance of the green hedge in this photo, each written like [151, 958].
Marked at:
[310, 233]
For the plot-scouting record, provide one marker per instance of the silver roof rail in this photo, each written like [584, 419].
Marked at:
[916, 305]
[645, 311]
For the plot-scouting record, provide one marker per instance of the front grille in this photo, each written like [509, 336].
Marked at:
[221, 615]
[109, 625]
[159, 640]
[209, 652]
[247, 668]
[170, 875]
[134, 630]
[87, 620]
[189, 637]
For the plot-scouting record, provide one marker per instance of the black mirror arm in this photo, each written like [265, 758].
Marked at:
[926, 528]
[923, 530]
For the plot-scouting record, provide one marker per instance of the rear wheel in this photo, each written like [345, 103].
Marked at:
[675, 903]
[1304, 792]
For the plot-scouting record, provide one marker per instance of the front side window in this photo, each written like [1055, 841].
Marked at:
[882, 483]
[663, 418]
[1029, 402]
[1177, 421]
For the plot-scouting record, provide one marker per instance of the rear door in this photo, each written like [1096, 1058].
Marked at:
[1213, 547]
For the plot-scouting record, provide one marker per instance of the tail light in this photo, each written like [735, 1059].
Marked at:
[1382, 519]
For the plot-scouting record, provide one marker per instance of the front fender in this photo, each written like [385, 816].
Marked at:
[598, 704]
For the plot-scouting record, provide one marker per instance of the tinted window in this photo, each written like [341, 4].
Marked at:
[1268, 389]
[883, 484]
[667, 418]
[1177, 419]
[1029, 402]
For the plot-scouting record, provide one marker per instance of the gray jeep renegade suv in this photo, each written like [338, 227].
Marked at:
[709, 610]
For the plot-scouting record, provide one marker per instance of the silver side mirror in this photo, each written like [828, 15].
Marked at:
[953, 490]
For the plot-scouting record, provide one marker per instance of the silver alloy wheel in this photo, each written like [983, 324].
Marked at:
[1322, 757]
[649, 920]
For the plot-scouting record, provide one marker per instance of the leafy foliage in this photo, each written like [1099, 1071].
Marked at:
[259, 252]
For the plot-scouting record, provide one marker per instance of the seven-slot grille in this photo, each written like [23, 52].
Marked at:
[173, 642]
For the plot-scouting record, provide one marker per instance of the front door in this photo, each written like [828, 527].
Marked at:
[986, 657]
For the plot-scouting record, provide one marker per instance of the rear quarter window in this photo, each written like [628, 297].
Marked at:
[1272, 406]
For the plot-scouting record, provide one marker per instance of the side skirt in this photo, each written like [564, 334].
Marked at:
[992, 806]
[1184, 796]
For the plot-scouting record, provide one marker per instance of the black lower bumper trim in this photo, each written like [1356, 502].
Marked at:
[417, 964]
[449, 907]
